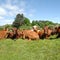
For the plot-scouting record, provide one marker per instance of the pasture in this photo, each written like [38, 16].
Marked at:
[29, 50]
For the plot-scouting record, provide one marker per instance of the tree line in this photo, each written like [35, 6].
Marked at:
[23, 22]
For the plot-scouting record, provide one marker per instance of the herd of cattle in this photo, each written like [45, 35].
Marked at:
[33, 34]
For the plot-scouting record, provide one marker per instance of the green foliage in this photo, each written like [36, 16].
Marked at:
[29, 50]
[7, 26]
[19, 20]
[26, 21]
[33, 23]
[1, 27]
[42, 23]
[25, 27]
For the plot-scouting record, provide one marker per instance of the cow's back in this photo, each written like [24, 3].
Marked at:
[3, 34]
[30, 34]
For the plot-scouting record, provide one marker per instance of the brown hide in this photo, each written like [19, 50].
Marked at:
[44, 34]
[40, 33]
[3, 34]
[48, 33]
[12, 34]
[46, 29]
[58, 32]
[58, 29]
[15, 34]
[19, 33]
[28, 34]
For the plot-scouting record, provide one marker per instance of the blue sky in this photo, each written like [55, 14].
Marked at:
[33, 9]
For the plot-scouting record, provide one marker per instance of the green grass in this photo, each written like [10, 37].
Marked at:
[29, 50]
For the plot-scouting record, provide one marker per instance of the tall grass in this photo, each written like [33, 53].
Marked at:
[29, 50]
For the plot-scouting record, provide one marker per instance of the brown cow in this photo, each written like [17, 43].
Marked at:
[19, 33]
[35, 28]
[30, 35]
[40, 33]
[45, 33]
[57, 31]
[13, 33]
[3, 33]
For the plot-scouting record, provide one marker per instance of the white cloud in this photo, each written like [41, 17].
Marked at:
[31, 12]
[10, 7]
[3, 22]
[14, 9]
[9, 10]
[1, 17]
[2, 11]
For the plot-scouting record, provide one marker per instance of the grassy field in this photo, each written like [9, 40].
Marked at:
[29, 50]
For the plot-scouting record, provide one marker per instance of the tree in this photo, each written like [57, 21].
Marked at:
[19, 20]
[33, 23]
[26, 21]
[42, 23]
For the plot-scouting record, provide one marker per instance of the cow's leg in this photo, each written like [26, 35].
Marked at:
[47, 37]
[23, 36]
[58, 36]
[29, 39]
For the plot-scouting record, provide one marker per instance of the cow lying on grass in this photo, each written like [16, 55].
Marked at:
[30, 35]
[13, 33]
[25, 34]
[44, 33]
[3, 34]
[34, 34]
[57, 31]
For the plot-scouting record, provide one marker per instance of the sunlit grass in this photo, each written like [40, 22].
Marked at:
[29, 50]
